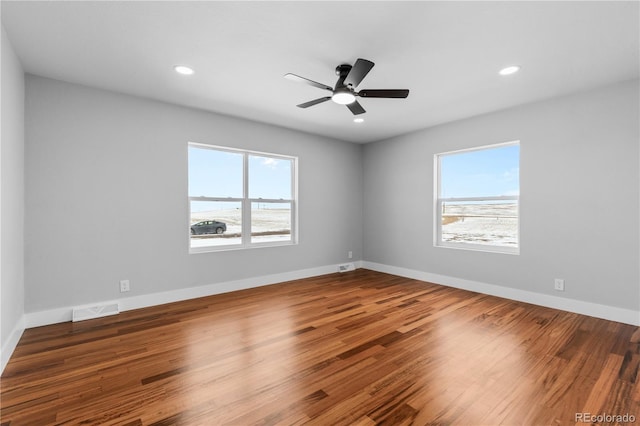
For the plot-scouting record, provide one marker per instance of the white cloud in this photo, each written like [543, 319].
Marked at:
[270, 162]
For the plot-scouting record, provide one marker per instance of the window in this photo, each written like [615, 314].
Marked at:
[240, 199]
[477, 198]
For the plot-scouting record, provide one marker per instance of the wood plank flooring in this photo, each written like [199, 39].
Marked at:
[361, 348]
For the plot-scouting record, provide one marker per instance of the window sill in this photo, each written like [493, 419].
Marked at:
[213, 249]
[479, 247]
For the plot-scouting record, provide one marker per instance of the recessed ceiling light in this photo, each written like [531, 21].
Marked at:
[358, 120]
[184, 70]
[509, 70]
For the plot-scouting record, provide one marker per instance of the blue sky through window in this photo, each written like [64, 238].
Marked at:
[482, 173]
[218, 174]
[269, 177]
[214, 173]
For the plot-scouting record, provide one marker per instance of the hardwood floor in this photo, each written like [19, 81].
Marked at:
[360, 348]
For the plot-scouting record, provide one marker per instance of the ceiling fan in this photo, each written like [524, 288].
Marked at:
[344, 92]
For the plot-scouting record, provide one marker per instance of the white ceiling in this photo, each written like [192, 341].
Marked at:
[447, 53]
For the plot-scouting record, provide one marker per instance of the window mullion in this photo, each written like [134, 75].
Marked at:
[488, 198]
[270, 200]
[438, 221]
[223, 199]
[246, 203]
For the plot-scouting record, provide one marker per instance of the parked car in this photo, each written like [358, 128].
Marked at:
[208, 227]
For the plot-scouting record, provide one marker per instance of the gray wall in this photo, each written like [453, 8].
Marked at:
[579, 186]
[106, 198]
[12, 199]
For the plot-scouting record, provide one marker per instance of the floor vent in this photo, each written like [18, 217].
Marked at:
[346, 267]
[97, 311]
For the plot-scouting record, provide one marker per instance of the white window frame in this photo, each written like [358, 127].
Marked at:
[247, 202]
[438, 201]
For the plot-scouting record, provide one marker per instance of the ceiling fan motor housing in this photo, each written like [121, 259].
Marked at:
[343, 70]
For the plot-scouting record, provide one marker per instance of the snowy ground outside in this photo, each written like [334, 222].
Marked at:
[493, 224]
[490, 224]
[267, 225]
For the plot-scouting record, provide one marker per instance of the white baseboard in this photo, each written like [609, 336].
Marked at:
[626, 316]
[11, 343]
[64, 314]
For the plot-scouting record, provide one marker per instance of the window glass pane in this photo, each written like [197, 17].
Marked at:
[215, 223]
[484, 222]
[487, 172]
[214, 173]
[269, 177]
[270, 222]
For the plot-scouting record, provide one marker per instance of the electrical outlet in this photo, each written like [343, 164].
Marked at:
[125, 286]
[350, 254]
[559, 284]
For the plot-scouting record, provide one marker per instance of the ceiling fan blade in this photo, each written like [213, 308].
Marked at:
[356, 108]
[299, 79]
[314, 102]
[360, 69]
[383, 93]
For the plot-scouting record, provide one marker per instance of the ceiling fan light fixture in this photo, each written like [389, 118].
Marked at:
[343, 97]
